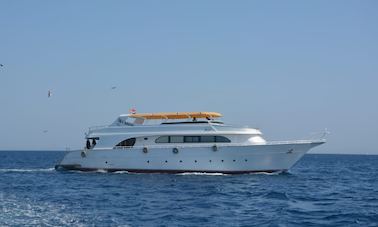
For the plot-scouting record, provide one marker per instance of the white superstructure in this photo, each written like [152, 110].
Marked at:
[182, 142]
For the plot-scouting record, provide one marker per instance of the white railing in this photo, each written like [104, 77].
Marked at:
[97, 127]
[296, 142]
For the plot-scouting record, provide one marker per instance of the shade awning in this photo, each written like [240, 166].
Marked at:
[175, 115]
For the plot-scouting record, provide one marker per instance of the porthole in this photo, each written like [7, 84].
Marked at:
[145, 138]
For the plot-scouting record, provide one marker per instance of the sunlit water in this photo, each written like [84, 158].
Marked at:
[333, 190]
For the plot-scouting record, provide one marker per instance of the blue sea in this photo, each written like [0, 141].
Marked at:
[321, 190]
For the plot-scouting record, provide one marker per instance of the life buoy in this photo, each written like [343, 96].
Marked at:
[83, 154]
[175, 150]
[215, 148]
[145, 150]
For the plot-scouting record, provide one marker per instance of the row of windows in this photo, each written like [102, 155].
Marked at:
[192, 139]
[179, 139]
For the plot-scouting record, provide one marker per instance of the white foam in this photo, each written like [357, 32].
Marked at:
[27, 170]
[121, 172]
[266, 173]
[202, 174]
[18, 212]
[101, 171]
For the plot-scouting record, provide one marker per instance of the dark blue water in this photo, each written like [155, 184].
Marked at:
[331, 190]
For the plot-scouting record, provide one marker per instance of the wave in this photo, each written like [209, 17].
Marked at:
[20, 212]
[100, 171]
[202, 174]
[121, 172]
[270, 174]
[27, 170]
[276, 195]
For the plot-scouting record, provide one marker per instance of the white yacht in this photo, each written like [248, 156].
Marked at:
[182, 142]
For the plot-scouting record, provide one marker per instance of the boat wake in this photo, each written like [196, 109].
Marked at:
[202, 174]
[268, 174]
[26, 170]
[24, 211]
[121, 172]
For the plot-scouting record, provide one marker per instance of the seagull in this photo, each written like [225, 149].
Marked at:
[1, 65]
[49, 94]
[114, 87]
[45, 131]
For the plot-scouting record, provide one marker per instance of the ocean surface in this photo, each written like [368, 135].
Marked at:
[321, 190]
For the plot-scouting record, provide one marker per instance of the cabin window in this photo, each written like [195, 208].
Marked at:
[207, 139]
[127, 143]
[192, 139]
[222, 139]
[176, 139]
[162, 139]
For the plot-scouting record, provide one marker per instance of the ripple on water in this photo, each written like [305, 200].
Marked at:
[319, 190]
[276, 195]
[16, 212]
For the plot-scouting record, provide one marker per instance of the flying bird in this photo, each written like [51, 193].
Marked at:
[114, 87]
[49, 93]
[45, 131]
[1, 65]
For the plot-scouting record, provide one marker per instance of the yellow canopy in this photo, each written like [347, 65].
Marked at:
[176, 115]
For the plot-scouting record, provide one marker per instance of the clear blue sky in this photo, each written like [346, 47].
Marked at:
[291, 68]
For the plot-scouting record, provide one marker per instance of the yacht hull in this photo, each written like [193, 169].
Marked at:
[230, 159]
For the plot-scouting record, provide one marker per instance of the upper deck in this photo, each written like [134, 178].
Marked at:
[177, 122]
[136, 119]
[148, 127]
[175, 115]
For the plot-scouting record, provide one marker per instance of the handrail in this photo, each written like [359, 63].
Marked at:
[97, 127]
[296, 141]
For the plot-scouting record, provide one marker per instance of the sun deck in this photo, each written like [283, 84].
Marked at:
[166, 118]
[175, 115]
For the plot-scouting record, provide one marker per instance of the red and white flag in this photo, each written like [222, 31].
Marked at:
[132, 110]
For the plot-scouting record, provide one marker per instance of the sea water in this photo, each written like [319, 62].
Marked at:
[321, 190]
